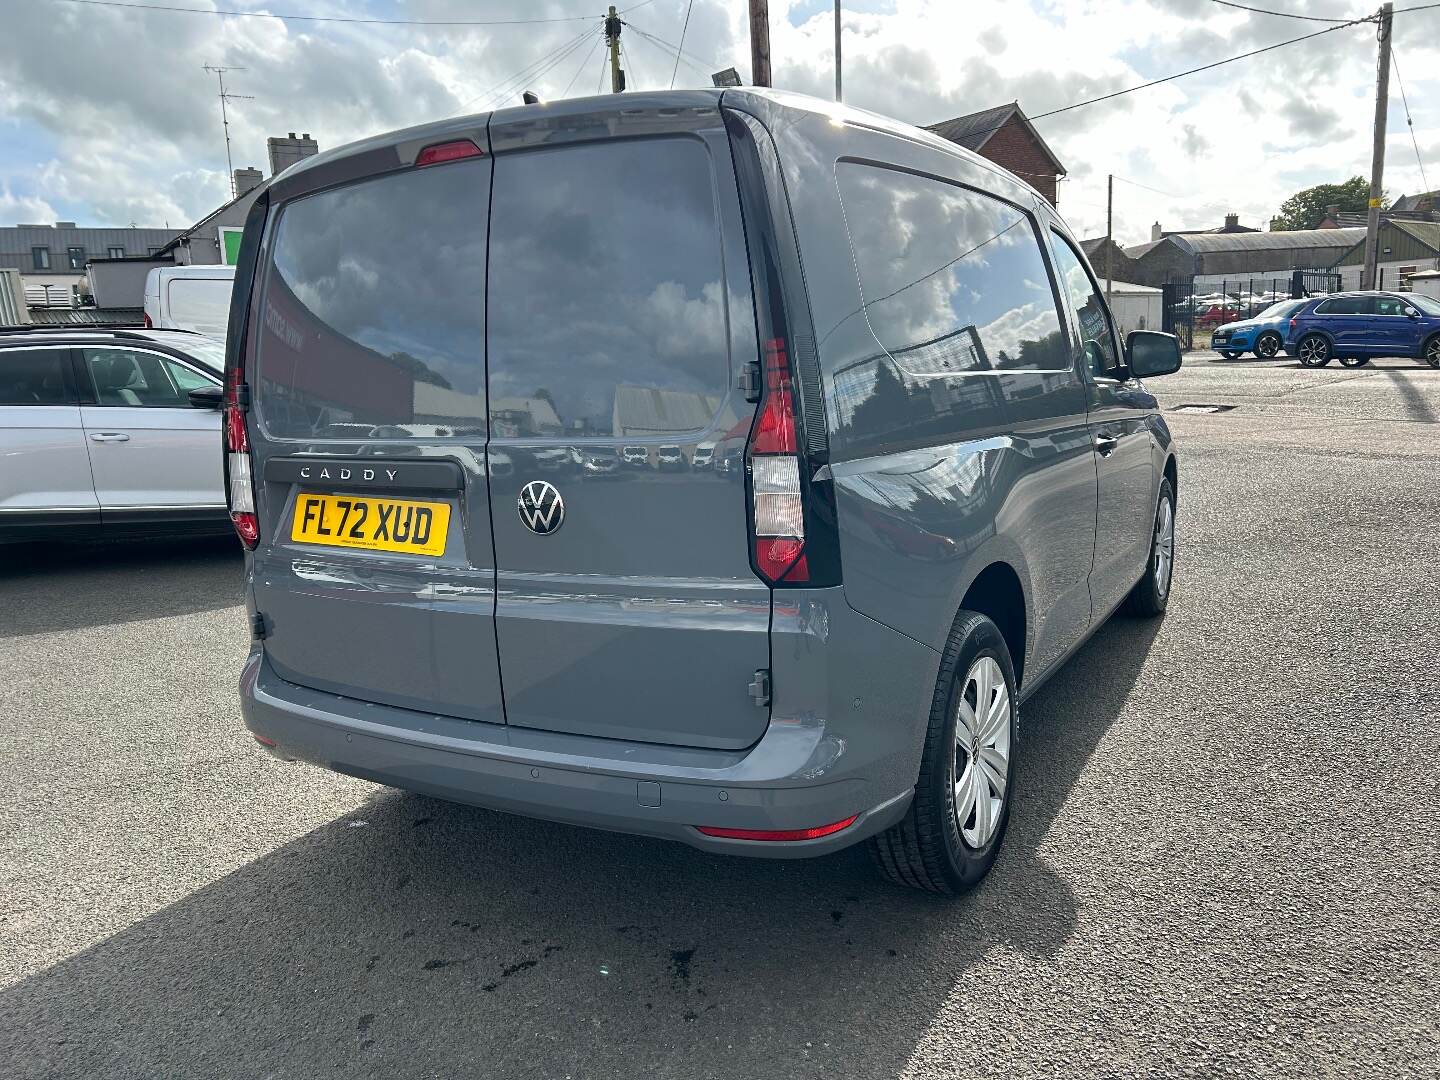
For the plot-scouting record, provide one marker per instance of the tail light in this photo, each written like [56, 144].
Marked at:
[778, 508]
[439, 153]
[240, 486]
[1294, 321]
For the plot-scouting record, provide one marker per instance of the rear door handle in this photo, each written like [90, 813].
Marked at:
[1106, 444]
[109, 436]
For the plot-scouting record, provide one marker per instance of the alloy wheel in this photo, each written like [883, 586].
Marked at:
[1164, 546]
[1432, 352]
[1267, 346]
[982, 751]
[1314, 351]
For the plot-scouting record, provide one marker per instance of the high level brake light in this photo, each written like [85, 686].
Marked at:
[439, 153]
[778, 508]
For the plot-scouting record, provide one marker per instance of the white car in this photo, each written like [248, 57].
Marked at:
[109, 432]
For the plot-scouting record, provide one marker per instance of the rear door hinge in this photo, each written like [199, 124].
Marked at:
[749, 381]
[760, 687]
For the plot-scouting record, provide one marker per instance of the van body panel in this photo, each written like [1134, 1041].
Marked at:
[639, 616]
[943, 459]
[191, 297]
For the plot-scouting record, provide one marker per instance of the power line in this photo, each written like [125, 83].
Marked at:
[683, 28]
[520, 83]
[629, 65]
[321, 18]
[604, 68]
[1280, 14]
[588, 57]
[672, 46]
[1197, 70]
[670, 51]
[523, 74]
[1394, 59]
[1147, 187]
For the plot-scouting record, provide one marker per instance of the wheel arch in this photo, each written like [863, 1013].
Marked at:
[998, 593]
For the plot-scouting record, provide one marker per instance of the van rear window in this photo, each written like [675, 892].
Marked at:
[372, 321]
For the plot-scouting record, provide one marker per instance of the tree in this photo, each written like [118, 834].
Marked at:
[1306, 209]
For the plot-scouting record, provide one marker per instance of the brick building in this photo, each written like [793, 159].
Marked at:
[1005, 136]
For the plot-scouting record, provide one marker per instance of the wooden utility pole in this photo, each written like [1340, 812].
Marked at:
[837, 52]
[760, 42]
[1109, 236]
[612, 41]
[1377, 159]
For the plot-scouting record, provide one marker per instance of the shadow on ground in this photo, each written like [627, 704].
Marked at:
[71, 586]
[438, 939]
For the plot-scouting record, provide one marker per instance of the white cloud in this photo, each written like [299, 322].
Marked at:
[130, 122]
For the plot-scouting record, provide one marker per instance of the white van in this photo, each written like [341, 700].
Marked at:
[189, 298]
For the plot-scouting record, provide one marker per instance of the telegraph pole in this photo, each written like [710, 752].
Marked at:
[1109, 236]
[838, 98]
[760, 42]
[612, 39]
[225, 118]
[1377, 160]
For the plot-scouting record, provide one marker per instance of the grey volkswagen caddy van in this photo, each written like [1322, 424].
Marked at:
[941, 471]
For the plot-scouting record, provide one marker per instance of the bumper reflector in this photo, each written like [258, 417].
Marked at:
[263, 741]
[778, 834]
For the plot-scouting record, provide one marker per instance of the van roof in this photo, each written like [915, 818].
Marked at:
[762, 101]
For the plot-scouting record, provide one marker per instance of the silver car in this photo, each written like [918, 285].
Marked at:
[109, 433]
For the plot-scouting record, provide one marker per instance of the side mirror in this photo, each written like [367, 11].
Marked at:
[207, 397]
[1411, 313]
[1149, 353]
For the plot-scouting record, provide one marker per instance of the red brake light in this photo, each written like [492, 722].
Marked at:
[778, 834]
[777, 506]
[1294, 319]
[775, 432]
[239, 487]
[448, 151]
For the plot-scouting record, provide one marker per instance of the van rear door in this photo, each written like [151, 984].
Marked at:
[374, 572]
[620, 313]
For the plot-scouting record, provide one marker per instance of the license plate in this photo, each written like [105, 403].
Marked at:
[356, 521]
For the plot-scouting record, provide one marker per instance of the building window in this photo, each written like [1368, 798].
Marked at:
[1406, 273]
[115, 252]
[40, 258]
[76, 255]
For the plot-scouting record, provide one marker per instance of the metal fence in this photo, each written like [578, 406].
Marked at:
[1193, 308]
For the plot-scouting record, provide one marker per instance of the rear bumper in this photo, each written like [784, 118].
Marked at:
[788, 780]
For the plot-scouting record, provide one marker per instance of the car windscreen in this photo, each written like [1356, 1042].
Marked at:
[210, 354]
[372, 309]
[1426, 304]
[1281, 310]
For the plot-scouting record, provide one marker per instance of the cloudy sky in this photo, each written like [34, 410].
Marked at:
[106, 116]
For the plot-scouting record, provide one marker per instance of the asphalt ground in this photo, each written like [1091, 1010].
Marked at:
[1224, 858]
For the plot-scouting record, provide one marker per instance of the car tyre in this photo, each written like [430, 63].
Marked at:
[968, 758]
[1267, 346]
[1354, 361]
[1431, 352]
[1314, 351]
[1151, 594]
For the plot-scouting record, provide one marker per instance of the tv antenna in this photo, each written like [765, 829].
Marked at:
[225, 96]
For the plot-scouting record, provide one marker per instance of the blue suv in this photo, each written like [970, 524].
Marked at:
[1264, 334]
[1354, 327]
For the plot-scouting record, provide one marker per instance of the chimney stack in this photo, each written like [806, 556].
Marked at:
[287, 151]
[1156, 233]
[247, 180]
[1232, 222]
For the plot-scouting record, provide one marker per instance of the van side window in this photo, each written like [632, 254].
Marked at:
[34, 377]
[372, 310]
[1096, 334]
[608, 305]
[952, 280]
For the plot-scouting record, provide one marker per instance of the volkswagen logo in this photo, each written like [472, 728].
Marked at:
[540, 507]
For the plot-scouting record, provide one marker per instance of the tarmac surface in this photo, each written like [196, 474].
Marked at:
[1224, 857]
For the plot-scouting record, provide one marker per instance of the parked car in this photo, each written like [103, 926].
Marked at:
[636, 457]
[1355, 327]
[670, 459]
[108, 433]
[189, 298]
[704, 457]
[1264, 335]
[599, 461]
[942, 498]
